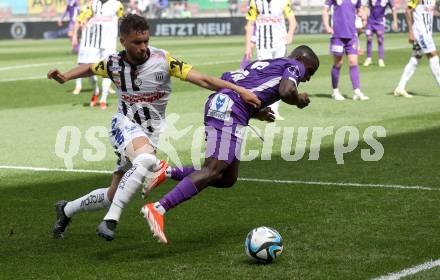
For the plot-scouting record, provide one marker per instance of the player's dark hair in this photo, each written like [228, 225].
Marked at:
[306, 55]
[132, 22]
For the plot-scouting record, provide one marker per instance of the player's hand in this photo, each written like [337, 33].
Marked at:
[60, 23]
[303, 100]
[57, 76]
[250, 98]
[248, 53]
[328, 30]
[265, 114]
[394, 26]
[411, 37]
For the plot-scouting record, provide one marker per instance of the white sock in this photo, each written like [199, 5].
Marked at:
[78, 83]
[336, 91]
[435, 68]
[409, 70]
[130, 184]
[159, 208]
[94, 83]
[95, 200]
[106, 83]
[275, 107]
[357, 91]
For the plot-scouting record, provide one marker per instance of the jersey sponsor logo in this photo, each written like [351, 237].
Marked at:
[220, 107]
[145, 97]
[115, 68]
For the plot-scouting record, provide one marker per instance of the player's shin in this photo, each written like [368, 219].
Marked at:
[184, 190]
[408, 71]
[354, 76]
[335, 76]
[435, 68]
[92, 201]
[130, 184]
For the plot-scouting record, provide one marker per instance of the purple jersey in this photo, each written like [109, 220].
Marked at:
[72, 10]
[377, 10]
[344, 17]
[262, 77]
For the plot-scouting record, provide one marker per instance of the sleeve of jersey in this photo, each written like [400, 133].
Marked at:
[252, 12]
[294, 73]
[413, 3]
[85, 14]
[328, 3]
[100, 68]
[178, 68]
[120, 11]
[288, 12]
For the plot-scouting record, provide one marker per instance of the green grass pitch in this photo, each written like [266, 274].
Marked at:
[330, 231]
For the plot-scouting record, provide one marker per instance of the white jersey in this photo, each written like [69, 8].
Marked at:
[143, 90]
[100, 19]
[269, 17]
[423, 15]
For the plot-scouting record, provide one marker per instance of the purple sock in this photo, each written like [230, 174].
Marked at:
[369, 45]
[354, 76]
[184, 190]
[178, 174]
[380, 45]
[335, 76]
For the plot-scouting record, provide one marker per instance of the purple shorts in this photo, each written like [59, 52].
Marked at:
[224, 128]
[374, 27]
[339, 46]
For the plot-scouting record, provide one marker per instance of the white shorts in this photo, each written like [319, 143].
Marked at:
[276, 52]
[425, 41]
[121, 133]
[93, 55]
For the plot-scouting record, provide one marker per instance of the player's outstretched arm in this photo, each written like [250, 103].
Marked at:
[83, 70]
[289, 94]
[213, 83]
[326, 19]
[409, 21]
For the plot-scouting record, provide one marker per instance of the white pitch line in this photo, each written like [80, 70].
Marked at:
[410, 271]
[258, 180]
[22, 66]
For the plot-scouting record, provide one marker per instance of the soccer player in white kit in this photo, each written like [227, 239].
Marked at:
[419, 17]
[99, 21]
[271, 36]
[142, 75]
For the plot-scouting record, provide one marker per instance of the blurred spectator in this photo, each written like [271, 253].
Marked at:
[133, 8]
[233, 7]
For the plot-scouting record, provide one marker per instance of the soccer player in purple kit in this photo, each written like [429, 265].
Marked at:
[343, 40]
[226, 118]
[72, 9]
[376, 25]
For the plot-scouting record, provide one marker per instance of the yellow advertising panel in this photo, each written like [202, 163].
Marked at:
[37, 7]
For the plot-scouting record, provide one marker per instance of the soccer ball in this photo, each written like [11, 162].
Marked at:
[263, 244]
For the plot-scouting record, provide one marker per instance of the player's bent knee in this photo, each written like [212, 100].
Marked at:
[146, 161]
[226, 182]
